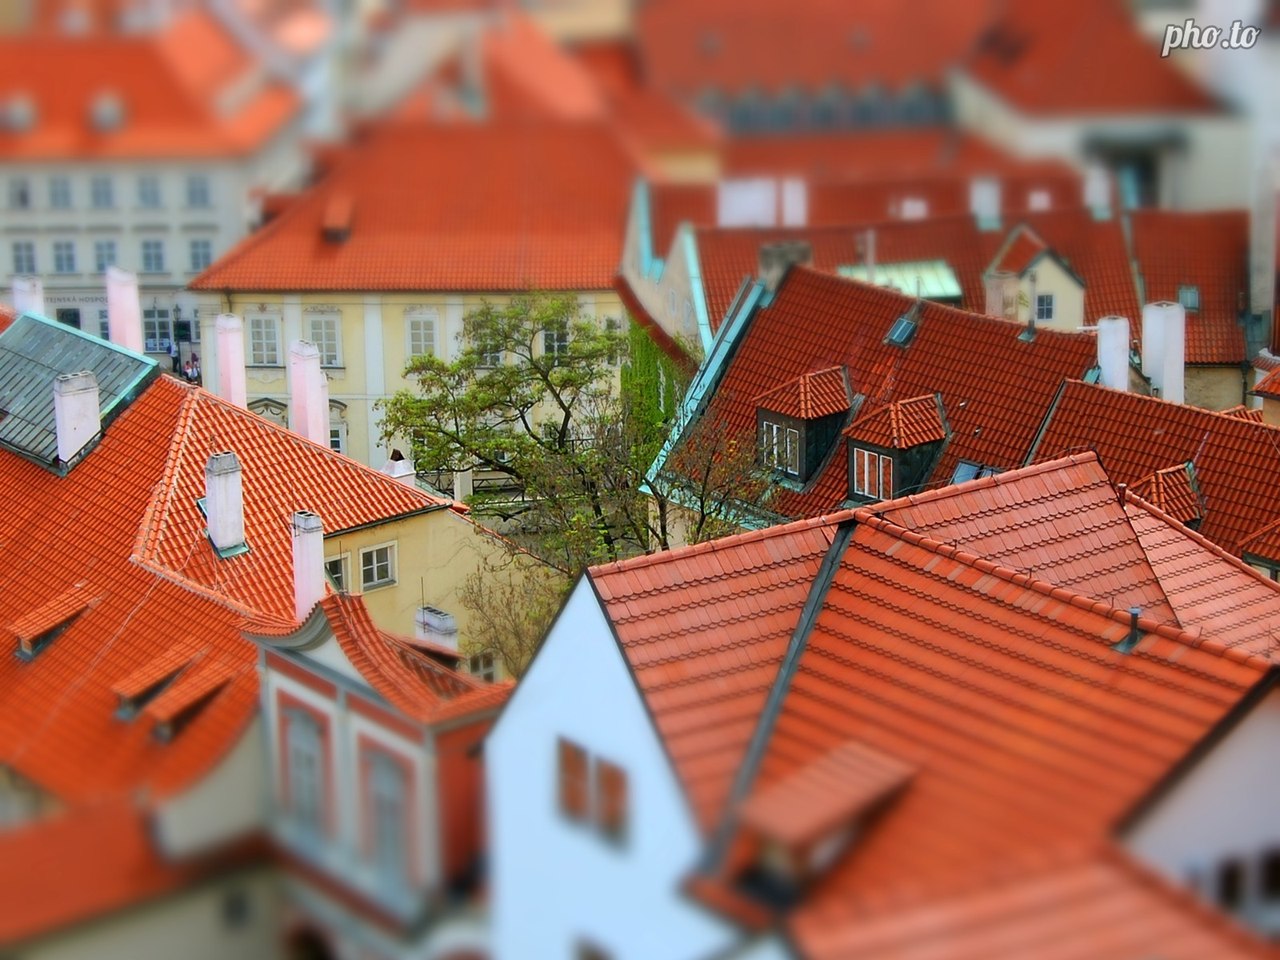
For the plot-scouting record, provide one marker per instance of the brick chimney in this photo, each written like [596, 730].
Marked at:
[308, 412]
[28, 295]
[76, 412]
[124, 310]
[224, 500]
[308, 563]
[230, 349]
[777, 258]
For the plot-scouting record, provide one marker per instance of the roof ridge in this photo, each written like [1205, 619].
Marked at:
[722, 543]
[1065, 594]
[981, 483]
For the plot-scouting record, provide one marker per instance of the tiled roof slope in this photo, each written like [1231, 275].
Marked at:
[689, 46]
[1090, 905]
[1237, 461]
[1021, 253]
[901, 424]
[1173, 491]
[706, 684]
[1031, 55]
[1269, 386]
[995, 387]
[180, 90]
[283, 473]
[1029, 733]
[510, 207]
[415, 684]
[809, 397]
[1206, 250]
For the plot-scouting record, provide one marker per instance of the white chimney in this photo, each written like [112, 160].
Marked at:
[436, 626]
[224, 500]
[28, 295]
[230, 336]
[400, 468]
[984, 202]
[795, 202]
[1113, 352]
[1175, 352]
[746, 203]
[308, 563]
[124, 310]
[1002, 295]
[308, 412]
[76, 412]
[463, 484]
[1153, 324]
[1097, 190]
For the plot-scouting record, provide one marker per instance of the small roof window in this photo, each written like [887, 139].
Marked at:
[1189, 296]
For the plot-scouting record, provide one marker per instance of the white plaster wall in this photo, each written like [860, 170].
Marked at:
[1224, 807]
[555, 883]
[228, 803]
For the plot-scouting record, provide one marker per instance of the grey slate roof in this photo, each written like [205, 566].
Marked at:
[33, 352]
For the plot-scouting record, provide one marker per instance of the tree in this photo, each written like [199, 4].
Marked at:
[511, 605]
[534, 393]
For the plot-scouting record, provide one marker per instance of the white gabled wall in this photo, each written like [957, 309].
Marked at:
[555, 883]
[1223, 808]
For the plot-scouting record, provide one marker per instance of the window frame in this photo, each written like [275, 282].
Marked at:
[60, 192]
[1189, 296]
[199, 264]
[555, 342]
[321, 319]
[261, 323]
[872, 472]
[20, 193]
[24, 257]
[308, 812]
[150, 194]
[152, 254]
[391, 577]
[199, 193]
[387, 838]
[64, 257]
[343, 579]
[102, 193]
[416, 323]
[1044, 300]
[100, 262]
[158, 321]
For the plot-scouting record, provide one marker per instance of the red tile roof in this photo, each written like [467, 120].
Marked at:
[181, 92]
[1025, 247]
[901, 424]
[89, 862]
[690, 46]
[1264, 542]
[1237, 462]
[511, 207]
[1173, 490]
[705, 684]
[1028, 730]
[1031, 55]
[995, 387]
[1209, 251]
[810, 396]
[1269, 386]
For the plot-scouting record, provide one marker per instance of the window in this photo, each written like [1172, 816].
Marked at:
[1044, 306]
[1189, 296]
[422, 333]
[153, 256]
[613, 328]
[149, 192]
[324, 333]
[102, 193]
[1230, 885]
[574, 789]
[64, 256]
[902, 332]
[19, 194]
[967, 470]
[157, 332]
[872, 474]
[377, 566]
[304, 740]
[264, 341]
[338, 437]
[198, 191]
[24, 257]
[104, 326]
[490, 354]
[611, 816]
[235, 909]
[481, 665]
[555, 342]
[104, 255]
[387, 788]
[780, 447]
[201, 254]
[60, 193]
[336, 569]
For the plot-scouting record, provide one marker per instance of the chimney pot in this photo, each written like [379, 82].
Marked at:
[28, 295]
[399, 468]
[224, 500]
[777, 258]
[124, 311]
[231, 379]
[308, 563]
[76, 412]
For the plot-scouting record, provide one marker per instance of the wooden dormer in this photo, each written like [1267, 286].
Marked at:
[798, 422]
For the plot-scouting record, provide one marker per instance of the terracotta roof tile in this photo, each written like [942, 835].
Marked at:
[901, 424]
[1209, 251]
[180, 91]
[1173, 490]
[1025, 248]
[512, 207]
[810, 396]
[1269, 386]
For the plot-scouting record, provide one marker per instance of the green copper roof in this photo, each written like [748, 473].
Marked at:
[931, 279]
[33, 352]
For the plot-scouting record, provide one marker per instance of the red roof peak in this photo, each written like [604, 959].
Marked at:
[902, 423]
[810, 396]
[1173, 490]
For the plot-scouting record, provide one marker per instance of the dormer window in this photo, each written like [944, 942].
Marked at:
[902, 331]
[1189, 296]
[36, 630]
[893, 448]
[872, 474]
[798, 423]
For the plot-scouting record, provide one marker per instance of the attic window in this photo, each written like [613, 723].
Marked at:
[1189, 296]
[130, 706]
[780, 447]
[967, 470]
[40, 627]
[179, 703]
[902, 332]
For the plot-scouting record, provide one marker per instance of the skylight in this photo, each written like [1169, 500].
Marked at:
[1189, 296]
[902, 331]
